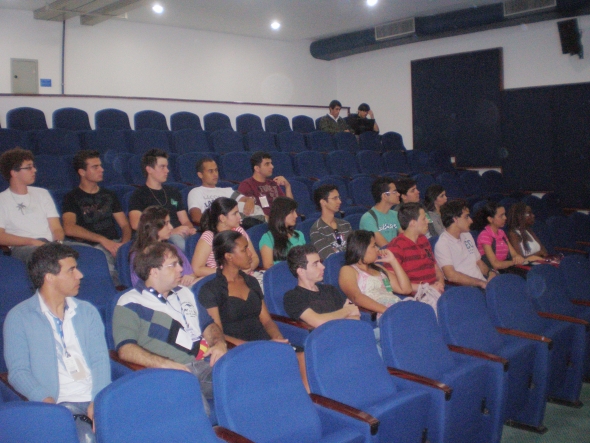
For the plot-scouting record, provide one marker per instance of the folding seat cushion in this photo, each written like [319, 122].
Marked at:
[31, 422]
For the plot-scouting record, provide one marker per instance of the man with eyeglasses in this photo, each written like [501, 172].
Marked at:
[456, 252]
[28, 216]
[159, 324]
[381, 218]
[328, 234]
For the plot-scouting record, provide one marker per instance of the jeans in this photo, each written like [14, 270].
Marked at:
[84, 429]
[203, 371]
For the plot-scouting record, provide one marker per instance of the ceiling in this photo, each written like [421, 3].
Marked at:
[300, 19]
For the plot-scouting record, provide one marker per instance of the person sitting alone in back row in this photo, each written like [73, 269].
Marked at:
[363, 120]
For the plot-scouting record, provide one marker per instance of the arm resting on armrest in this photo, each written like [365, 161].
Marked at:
[346, 410]
[480, 354]
[526, 335]
[133, 366]
[410, 376]
[230, 436]
[290, 321]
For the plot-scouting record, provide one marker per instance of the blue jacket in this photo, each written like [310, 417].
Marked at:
[30, 355]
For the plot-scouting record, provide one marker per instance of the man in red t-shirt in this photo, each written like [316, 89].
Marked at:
[412, 248]
[261, 186]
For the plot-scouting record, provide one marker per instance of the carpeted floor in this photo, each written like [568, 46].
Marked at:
[566, 425]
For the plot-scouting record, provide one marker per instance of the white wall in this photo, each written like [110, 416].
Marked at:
[532, 57]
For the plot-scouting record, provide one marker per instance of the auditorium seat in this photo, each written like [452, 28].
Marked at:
[106, 139]
[392, 141]
[226, 140]
[370, 162]
[12, 138]
[54, 142]
[111, 118]
[440, 160]
[291, 141]
[370, 141]
[419, 162]
[310, 164]
[342, 163]
[276, 123]
[301, 194]
[303, 124]
[346, 141]
[146, 139]
[423, 181]
[473, 183]
[190, 140]
[214, 121]
[319, 141]
[494, 182]
[236, 166]
[26, 119]
[149, 119]
[260, 141]
[72, 119]
[360, 191]
[452, 185]
[395, 161]
[247, 123]
[185, 120]
[47, 178]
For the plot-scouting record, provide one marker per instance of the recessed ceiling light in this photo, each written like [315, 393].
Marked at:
[157, 8]
[371, 2]
[275, 25]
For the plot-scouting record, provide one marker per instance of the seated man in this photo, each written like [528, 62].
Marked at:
[314, 304]
[54, 345]
[332, 122]
[261, 186]
[455, 250]
[91, 213]
[154, 165]
[160, 325]
[412, 249]
[409, 193]
[200, 198]
[359, 122]
[328, 234]
[381, 219]
[28, 216]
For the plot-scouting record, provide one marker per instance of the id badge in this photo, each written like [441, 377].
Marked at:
[387, 284]
[184, 339]
[74, 368]
[263, 201]
[193, 335]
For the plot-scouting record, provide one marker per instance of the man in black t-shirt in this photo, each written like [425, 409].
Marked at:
[154, 164]
[91, 213]
[363, 121]
[314, 304]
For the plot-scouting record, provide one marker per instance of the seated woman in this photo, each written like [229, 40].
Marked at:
[521, 236]
[436, 196]
[281, 235]
[492, 243]
[366, 283]
[222, 215]
[233, 298]
[154, 225]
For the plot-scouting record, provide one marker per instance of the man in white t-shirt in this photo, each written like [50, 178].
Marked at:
[200, 198]
[456, 252]
[28, 216]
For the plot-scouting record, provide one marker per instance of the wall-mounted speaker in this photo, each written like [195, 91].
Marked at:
[571, 38]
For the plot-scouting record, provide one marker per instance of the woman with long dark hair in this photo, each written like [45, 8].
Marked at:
[364, 281]
[281, 235]
[433, 200]
[222, 215]
[521, 236]
[154, 225]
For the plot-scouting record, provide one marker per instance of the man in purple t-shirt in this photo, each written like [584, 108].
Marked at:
[261, 186]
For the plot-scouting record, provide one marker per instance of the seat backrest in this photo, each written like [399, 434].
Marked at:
[419, 161]
[452, 185]
[310, 164]
[276, 123]
[215, 121]
[473, 182]
[191, 244]
[395, 161]
[283, 165]
[342, 163]
[277, 280]
[370, 141]
[343, 363]
[319, 141]
[346, 141]
[255, 233]
[302, 196]
[72, 119]
[260, 141]
[33, 422]
[493, 182]
[10, 139]
[149, 119]
[186, 169]
[123, 265]
[510, 306]
[55, 142]
[548, 290]
[464, 320]
[185, 120]
[227, 140]
[412, 341]
[291, 141]
[354, 220]
[236, 166]
[305, 227]
[112, 119]
[26, 119]
[190, 140]
[104, 140]
[303, 124]
[423, 181]
[46, 176]
[360, 191]
[247, 123]
[575, 271]
[146, 139]
[333, 265]
[370, 162]
[138, 404]
[392, 141]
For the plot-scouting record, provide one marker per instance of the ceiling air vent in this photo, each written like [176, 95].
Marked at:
[396, 29]
[517, 7]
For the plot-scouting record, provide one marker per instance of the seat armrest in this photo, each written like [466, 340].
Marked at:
[230, 436]
[368, 311]
[480, 354]
[4, 379]
[290, 321]
[567, 318]
[573, 251]
[581, 302]
[346, 410]
[583, 243]
[527, 335]
[133, 366]
[410, 376]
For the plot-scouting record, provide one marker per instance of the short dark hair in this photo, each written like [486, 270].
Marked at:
[80, 158]
[408, 212]
[404, 184]
[452, 209]
[12, 159]
[152, 257]
[432, 193]
[297, 257]
[202, 161]
[224, 242]
[334, 103]
[321, 193]
[45, 260]
[257, 157]
[150, 158]
[480, 218]
[379, 186]
[364, 107]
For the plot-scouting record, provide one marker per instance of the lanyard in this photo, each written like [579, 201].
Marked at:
[60, 331]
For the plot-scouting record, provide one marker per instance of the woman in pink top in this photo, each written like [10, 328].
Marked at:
[222, 215]
[492, 243]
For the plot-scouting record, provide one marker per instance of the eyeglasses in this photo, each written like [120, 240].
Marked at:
[26, 168]
[171, 265]
[391, 192]
[338, 236]
[336, 197]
